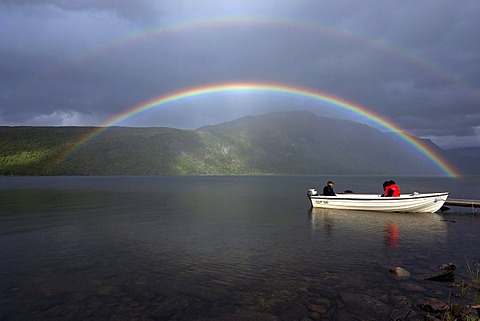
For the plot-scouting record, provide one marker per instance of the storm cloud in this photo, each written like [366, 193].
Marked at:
[83, 62]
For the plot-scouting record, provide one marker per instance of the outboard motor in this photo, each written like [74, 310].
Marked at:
[312, 192]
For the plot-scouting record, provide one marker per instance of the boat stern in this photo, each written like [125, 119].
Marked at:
[311, 192]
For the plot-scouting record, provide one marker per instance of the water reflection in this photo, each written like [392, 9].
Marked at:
[321, 219]
[395, 228]
[391, 234]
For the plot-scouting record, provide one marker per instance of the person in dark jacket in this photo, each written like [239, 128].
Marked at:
[385, 185]
[328, 190]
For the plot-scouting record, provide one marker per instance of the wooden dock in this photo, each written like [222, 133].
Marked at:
[474, 204]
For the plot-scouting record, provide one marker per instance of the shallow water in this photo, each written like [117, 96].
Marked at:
[221, 248]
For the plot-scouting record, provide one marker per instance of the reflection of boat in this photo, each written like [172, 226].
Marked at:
[392, 229]
[391, 234]
[413, 203]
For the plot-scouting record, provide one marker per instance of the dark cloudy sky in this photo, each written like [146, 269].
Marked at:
[82, 62]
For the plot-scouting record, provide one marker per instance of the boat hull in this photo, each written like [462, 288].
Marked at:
[411, 203]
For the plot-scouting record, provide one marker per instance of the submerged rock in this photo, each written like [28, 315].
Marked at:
[433, 305]
[364, 303]
[412, 287]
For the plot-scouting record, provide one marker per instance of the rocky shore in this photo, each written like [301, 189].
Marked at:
[398, 296]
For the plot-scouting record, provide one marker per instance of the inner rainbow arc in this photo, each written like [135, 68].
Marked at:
[383, 122]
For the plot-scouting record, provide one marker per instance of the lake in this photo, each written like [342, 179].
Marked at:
[223, 248]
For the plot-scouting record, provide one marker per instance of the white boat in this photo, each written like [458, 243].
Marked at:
[408, 203]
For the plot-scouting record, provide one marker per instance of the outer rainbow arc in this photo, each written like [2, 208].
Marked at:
[196, 24]
[439, 162]
[276, 22]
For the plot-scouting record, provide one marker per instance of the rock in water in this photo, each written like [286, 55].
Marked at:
[447, 276]
[433, 305]
[400, 272]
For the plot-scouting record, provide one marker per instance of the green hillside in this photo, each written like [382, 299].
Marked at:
[278, 143]
[117, 151]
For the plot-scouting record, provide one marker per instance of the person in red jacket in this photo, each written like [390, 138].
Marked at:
[391, 189]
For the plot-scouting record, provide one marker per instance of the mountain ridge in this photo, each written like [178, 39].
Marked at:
[295, 142]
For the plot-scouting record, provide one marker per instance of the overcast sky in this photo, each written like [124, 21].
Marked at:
[82, 62]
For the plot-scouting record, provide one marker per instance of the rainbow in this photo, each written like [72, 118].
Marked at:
[252, 87]
[196, 24]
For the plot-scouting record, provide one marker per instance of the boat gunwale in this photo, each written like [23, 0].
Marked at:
[378, 197]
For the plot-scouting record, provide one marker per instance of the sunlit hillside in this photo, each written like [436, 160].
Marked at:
[277, 143]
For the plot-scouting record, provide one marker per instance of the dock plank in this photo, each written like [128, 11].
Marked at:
[463, 202]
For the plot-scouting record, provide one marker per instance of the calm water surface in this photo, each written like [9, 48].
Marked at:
[221, 248]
